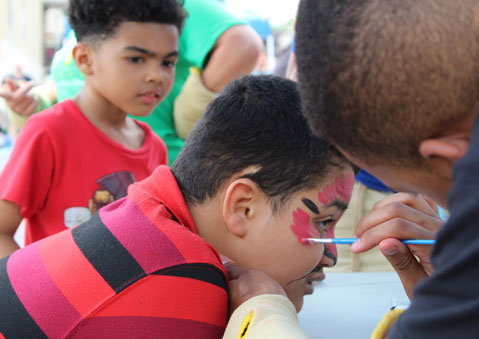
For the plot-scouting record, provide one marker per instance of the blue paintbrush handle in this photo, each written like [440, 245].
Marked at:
[351, 240]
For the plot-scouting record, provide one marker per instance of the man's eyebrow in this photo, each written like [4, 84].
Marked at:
[310, 205]
[150, 53]
[338, 203]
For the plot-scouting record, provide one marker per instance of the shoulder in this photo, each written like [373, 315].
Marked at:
[54, 117]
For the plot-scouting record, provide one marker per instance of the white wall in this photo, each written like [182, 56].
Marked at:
[22, 35]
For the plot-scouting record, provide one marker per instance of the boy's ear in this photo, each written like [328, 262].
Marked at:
[83, 56]
[240, 206]
[451, 147]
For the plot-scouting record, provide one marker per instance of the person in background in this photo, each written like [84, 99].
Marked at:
[215, 47]
[82, 154]
[17, 92]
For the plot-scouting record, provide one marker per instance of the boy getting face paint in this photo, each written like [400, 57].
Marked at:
[297, 264]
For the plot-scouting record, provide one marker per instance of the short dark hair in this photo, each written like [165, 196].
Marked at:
[99, 19]
[255, 121]
[378, 77]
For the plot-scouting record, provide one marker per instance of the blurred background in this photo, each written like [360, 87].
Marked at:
[32, 30]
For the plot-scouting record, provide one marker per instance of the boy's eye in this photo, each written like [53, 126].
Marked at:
[324, 225]
[135, 59]
[169, 64]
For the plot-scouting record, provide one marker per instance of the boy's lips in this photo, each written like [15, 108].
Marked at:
[313, 278]
[151, 97]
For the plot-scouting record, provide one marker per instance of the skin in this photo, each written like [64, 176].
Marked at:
[240, 218]
[128, 73]
[234, 54]
[18, 97]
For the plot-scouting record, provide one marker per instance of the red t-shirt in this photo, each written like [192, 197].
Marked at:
[63, 168]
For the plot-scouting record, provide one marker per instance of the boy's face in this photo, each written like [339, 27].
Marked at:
[280, 249]
[135, 68]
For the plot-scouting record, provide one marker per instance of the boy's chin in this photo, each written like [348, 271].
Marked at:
[142, 113]
[297, 296]
[298, 303]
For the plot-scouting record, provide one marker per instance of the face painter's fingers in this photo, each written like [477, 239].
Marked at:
[245, 284]
[418, 202]
[409, 269]
[398, 228]
[431, 203]
[413, 208]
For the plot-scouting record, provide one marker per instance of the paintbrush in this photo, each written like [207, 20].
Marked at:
[351, 240]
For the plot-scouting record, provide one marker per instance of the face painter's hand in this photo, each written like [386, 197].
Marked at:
[401, 216]
[244, 284]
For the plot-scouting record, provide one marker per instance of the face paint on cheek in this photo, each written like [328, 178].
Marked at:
[302, 227]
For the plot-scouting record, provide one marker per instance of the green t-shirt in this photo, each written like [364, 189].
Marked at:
[206, 21]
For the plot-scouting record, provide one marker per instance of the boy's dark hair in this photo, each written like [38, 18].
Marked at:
[255, 121]
[99, 19]
[410, 67]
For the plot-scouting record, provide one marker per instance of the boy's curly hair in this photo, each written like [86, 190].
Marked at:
[99, 19]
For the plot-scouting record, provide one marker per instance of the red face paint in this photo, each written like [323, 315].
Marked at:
[341, 187]
[302, 227]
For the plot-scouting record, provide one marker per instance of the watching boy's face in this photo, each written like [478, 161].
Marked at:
[135, 68]
[280, 249]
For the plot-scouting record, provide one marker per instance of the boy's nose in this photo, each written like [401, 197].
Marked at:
[330, 256]
[155, 74]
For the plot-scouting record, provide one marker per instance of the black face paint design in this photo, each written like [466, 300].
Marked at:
[330, 255]
[311, 205]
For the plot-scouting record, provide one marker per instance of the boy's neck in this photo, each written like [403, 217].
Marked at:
[110, 119]
[98, 109]
[209, 223]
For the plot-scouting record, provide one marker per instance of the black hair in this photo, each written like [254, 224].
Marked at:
[99, 19]
[255, 121]
[378, 77]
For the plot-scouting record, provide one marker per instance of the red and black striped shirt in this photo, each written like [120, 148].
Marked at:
[136, 269]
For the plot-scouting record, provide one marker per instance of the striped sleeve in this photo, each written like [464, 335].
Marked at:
[105, 279]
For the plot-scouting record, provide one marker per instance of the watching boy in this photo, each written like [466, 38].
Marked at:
[82, 154]
[251, 183]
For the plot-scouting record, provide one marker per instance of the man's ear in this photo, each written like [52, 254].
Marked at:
[240, 206]
[451, 147]
[83, 56]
